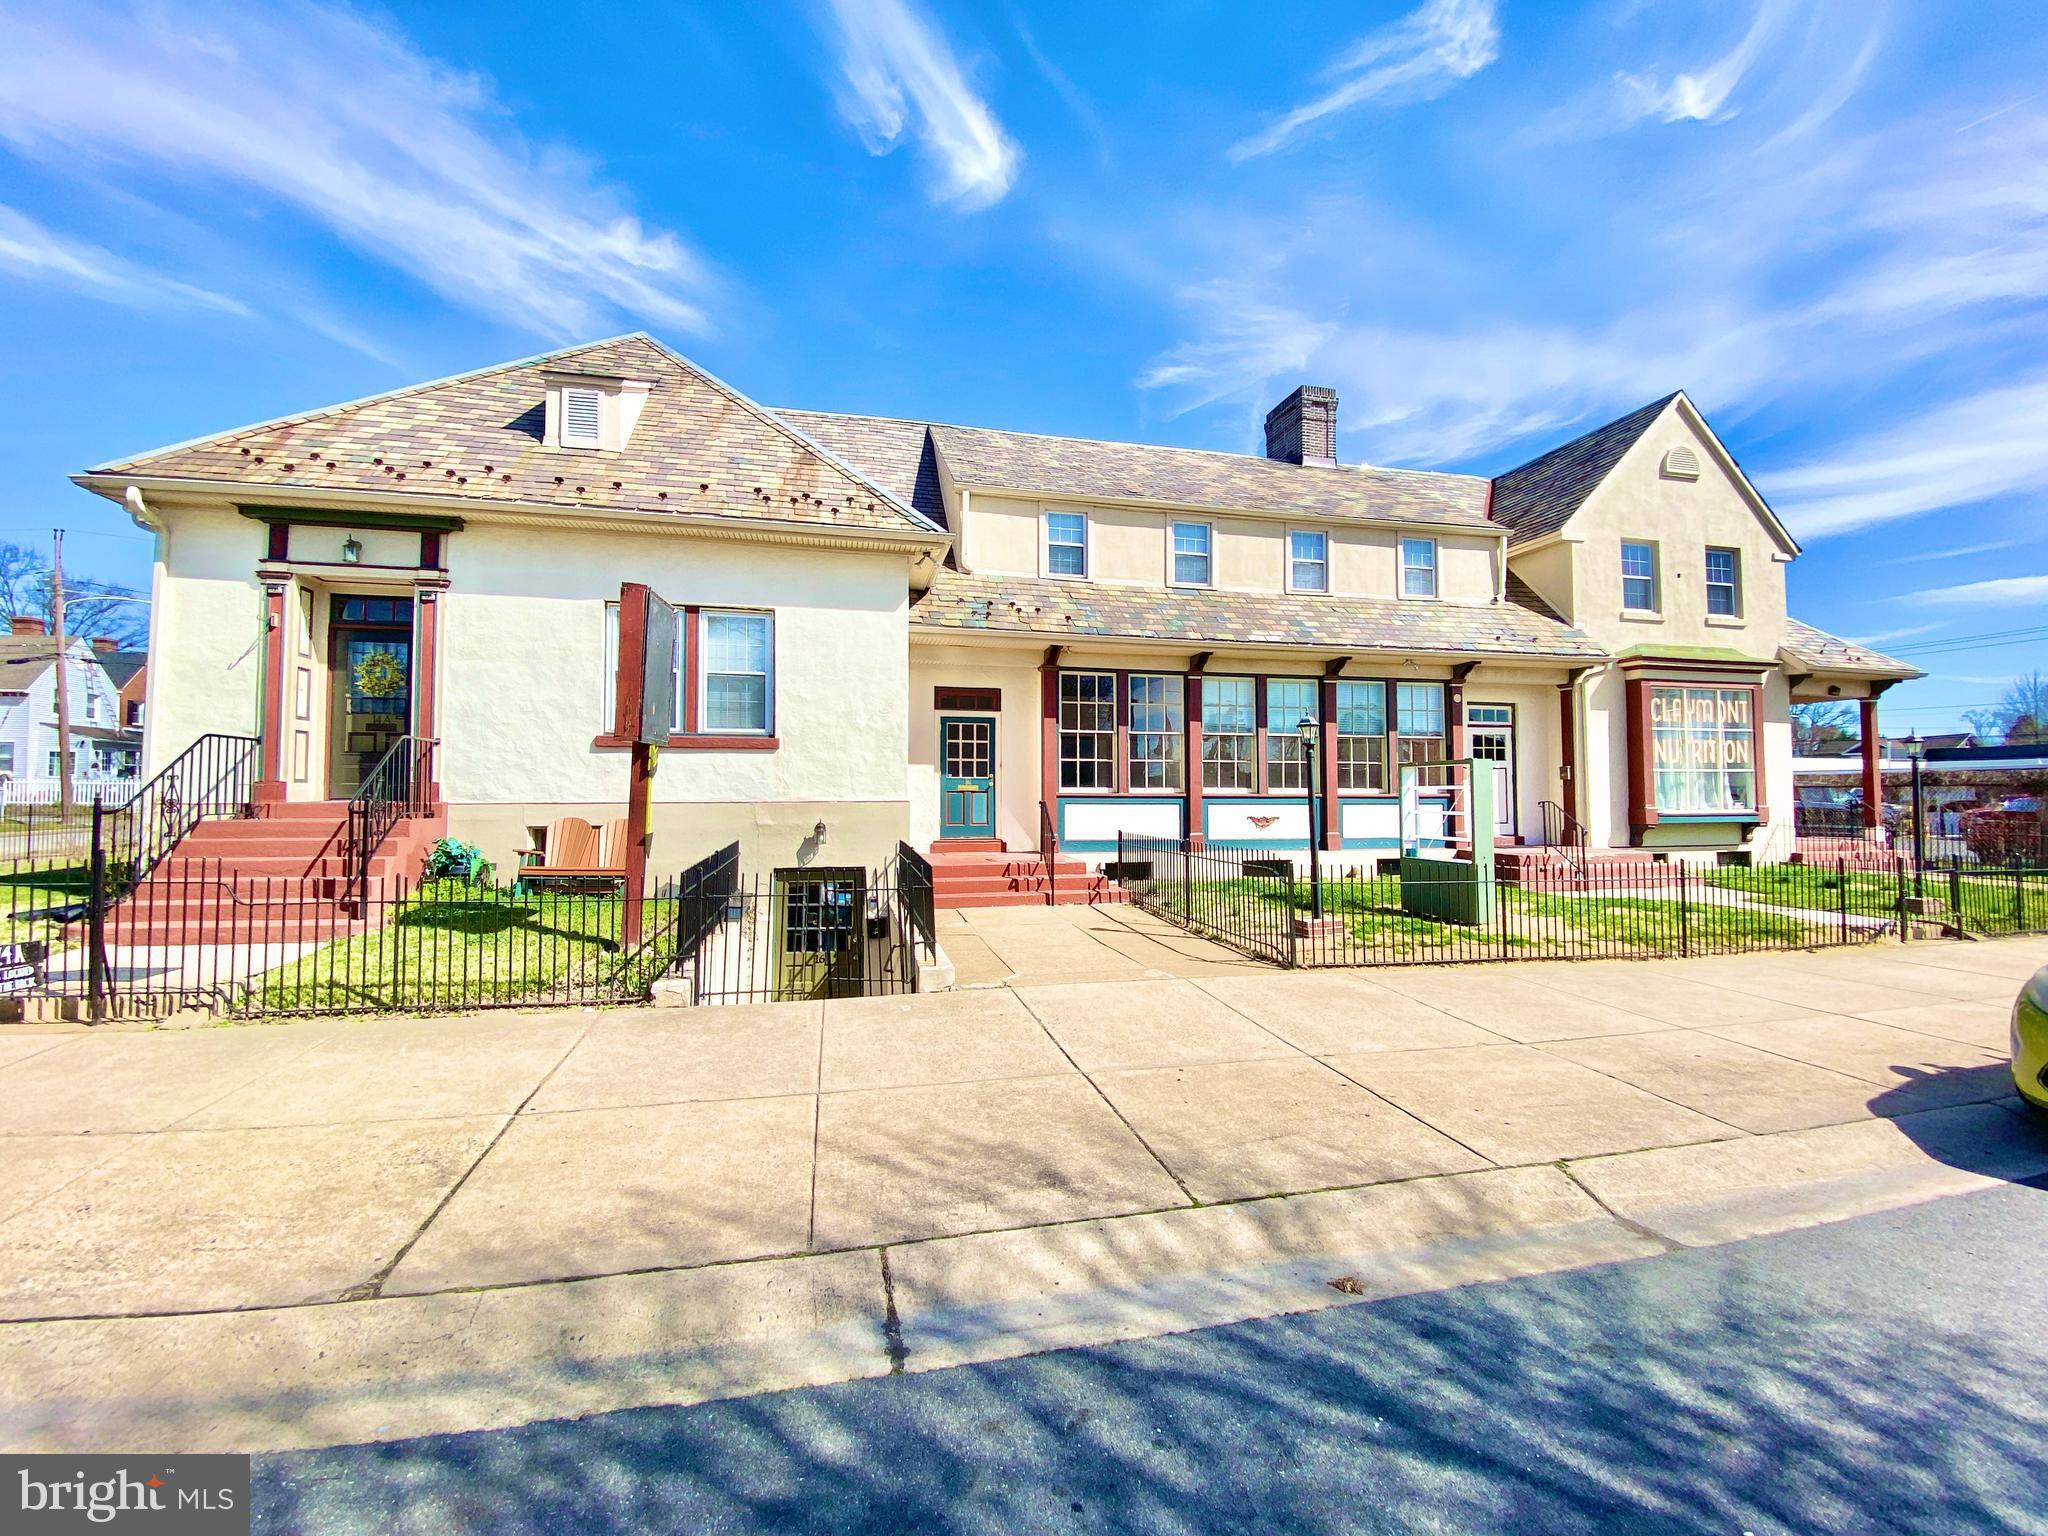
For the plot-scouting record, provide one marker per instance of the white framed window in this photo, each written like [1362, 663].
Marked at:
[1362, 735]
[1724, 583]
[1087, 730]
[737, 657]
[1158, 724]
[1229, 733]
[1419, 722]
[1638, 577]
[1193, 565]
[1308, 560]
[7, 758]
[1288, 699]
[608, 704]
[582, 416]
[1418, 567]
[1066, 544]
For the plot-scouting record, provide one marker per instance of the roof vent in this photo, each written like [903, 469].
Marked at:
[581, 415]
[1681, 464]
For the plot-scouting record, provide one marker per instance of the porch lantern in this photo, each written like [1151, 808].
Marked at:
[1305, 728]
[351, 550]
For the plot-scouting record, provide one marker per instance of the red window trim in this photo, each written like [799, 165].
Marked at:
[695, 742]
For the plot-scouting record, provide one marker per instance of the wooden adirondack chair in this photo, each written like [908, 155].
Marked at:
[574, 849]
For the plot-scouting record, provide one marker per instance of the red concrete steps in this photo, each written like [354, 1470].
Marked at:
[983, 878]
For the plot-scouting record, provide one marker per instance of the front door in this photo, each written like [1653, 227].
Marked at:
[820, 933]
[967, 776]
[1490, 738]
[369, 692]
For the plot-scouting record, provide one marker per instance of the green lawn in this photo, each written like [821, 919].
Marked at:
[28, 888]
[453, 945]
[1529, 924]
[1989, 902]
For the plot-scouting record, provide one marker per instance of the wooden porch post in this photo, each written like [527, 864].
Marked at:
[1333, 809]
[269, 787]
[1191, 767]
[1049, 735]
[426, 676]
[1873, 777]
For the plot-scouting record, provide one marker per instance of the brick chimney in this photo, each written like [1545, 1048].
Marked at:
[105, 644]
[1302, 429]
[29, 624]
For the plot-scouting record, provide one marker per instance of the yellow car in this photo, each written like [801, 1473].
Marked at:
[2030, 1040]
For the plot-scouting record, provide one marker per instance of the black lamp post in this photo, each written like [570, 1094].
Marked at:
[1913, 752]
[1305, 728]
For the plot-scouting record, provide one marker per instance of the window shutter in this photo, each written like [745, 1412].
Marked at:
[580, 416]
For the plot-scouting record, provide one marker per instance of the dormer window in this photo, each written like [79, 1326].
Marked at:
[582, 418]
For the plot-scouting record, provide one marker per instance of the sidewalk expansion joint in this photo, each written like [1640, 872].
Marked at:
[892, 1323]
[1651, 1234]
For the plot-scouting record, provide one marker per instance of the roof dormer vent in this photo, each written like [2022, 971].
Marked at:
[582, 417]
[1681, 464]
[593, 412]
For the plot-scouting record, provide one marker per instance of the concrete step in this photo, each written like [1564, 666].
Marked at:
[1100, 893]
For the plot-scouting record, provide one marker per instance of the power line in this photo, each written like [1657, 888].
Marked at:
[1982, 641]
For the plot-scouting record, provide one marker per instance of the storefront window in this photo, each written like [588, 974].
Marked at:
[1703, 750]
[1087, 730]
[1228, 716]
[1287, 700]
[1362, 736]
[1156, 731]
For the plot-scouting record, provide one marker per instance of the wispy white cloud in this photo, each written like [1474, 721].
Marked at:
[1921, 557]
[1957, 455]
[2006, 591]
[1884, 635]
[1420, 56]
[340, 118]
[32, 250]
[1700, 95]
[901, 79]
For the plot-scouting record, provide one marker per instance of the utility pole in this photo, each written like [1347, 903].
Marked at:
[63, 689]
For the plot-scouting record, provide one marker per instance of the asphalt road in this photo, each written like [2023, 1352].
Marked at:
[1886, 1374]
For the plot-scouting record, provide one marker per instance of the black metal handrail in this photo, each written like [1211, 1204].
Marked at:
[690, 908]
[1049, 852]
[1563, 830]
[401, 785]
[215, 776]
[914, 884]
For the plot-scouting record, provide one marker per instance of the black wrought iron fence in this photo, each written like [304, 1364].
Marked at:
[799, 934]
[401, 785]
[1441, 911]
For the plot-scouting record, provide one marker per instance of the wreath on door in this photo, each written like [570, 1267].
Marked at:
[379, 675]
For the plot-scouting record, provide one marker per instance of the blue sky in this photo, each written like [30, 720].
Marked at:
[1489, 225]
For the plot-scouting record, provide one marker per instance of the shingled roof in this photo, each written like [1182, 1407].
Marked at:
[1540, 496]
[1816, 650]
[1196, 477]
[896, 455]
[1081, 609]
[700, 449]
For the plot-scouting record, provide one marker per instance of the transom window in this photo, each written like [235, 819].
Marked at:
[1724, 582]
[738, 659]
[1639, 577]
[1066, 544]
[1192, 566]
[1418, 567]
[1703, 749]
[1308, 561]
[1287, 700]
[1229, 733]
[1362, 735]
[373, 610]
[1158, 727]
[1087, 730]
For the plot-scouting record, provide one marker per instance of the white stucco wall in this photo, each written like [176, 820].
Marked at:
[206, 632]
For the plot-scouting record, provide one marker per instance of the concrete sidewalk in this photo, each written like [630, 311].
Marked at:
[298, 1233]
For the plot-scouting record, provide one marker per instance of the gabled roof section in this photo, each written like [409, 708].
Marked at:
[1815, 650]
[1040, 607]
[701, 449]
[896, 455]
[1539, 497]
[1085, 470]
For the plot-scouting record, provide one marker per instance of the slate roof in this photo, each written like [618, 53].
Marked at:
[121, 665]
[1070, 610]
[1816, 650]
[1540, 496]
[1194, 477]
[700, 449]
[896, 455]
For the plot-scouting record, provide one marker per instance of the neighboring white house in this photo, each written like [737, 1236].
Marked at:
[28, 708]
[897, 629]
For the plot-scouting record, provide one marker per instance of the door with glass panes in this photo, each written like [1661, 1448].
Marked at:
[1490, 738]
[967, 776]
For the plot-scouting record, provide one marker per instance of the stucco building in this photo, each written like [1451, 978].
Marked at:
[970, 638]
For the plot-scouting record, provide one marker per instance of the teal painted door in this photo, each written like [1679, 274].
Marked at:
[967, 776]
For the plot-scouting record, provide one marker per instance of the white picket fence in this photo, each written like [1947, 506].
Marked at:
[111, 793]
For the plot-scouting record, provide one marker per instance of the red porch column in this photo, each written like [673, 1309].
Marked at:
[1873, 778]
[1049, 735]
[1326, 738]
[269, 788]
[1191, 765]
[1567, 749]
[426, 720]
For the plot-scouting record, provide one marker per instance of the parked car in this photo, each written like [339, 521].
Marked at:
[2009, 831]
[2030, 1041]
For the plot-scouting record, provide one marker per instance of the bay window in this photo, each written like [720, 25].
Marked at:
[1703, 750]
[1287, 700]
[1158, 721]
[1087, 730]
[1362, 736]
[1229, 733]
